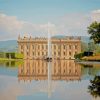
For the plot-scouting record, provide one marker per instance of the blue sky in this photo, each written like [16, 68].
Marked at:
[39, 12]
[33, 10]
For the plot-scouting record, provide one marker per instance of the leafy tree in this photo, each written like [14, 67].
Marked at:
[91, 46]
[79, 55]
[94, 88]
[84, 46]
[94, 31]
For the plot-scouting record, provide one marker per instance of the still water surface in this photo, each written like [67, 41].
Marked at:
[40, 80]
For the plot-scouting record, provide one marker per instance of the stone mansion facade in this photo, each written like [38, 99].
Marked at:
[61, 48]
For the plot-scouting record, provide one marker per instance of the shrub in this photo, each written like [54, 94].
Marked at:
[10, 55]
[88, 53]
[79, 56]
[19, 56]
[2, 54]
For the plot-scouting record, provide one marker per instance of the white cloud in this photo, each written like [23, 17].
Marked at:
[10, 27]
[74, 24]
[77, 23]
[95, 15]
[69, 24]
[10, 23]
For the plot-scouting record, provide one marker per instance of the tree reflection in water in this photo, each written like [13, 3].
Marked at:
[94, 88]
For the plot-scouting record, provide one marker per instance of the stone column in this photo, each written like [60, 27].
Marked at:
[73, 50]
[25, 51]
[31, 51]
[79, 47]
[61, 51]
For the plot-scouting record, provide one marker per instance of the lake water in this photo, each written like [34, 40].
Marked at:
[40, 80]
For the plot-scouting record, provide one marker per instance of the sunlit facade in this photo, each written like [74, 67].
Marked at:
[61, 48]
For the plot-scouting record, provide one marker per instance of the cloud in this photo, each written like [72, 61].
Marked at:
[95, 15]
[77, 23]
[10, 27]
[69, 24]
[74, 24]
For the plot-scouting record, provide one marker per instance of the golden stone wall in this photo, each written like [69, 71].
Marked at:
[36, 48]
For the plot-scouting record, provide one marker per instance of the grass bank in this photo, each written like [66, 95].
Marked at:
[7, 59]
[91, 58]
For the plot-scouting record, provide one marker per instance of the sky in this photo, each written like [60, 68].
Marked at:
[31, 17]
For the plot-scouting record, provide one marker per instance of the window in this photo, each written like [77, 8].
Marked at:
[27, 53]
[42, 46]
[27, 46]
[21, 52]
[64, 46]
[69, 46]
[21, 46]
[54, 46]
[64, 53]
[58, 46]
[54, 53]
[70, 53]
[59, 53]
[64, 71]
[33, 53]
[75, 52]
[51, 46]
[42, 53]
[38, 53]
[75, 46]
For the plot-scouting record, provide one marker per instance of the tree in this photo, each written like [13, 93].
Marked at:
[94, 88]
[91, 46]
[94, 31]
[84, 46]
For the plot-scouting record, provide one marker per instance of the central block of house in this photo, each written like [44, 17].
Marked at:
[61, 48]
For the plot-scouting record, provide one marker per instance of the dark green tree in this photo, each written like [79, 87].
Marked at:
[94, 88]
[94, 31]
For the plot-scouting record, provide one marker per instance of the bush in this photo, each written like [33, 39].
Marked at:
[88, 53]
[2, 54]
[79, 56]
[19, 56]
[10, 55]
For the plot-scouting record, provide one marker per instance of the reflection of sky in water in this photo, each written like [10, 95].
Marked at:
[12, 89]
[8, 71]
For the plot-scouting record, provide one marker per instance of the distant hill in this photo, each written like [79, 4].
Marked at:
[86, 39]
[11, 45]
[8, 46]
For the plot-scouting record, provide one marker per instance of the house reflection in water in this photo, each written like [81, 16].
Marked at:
[60, 70]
